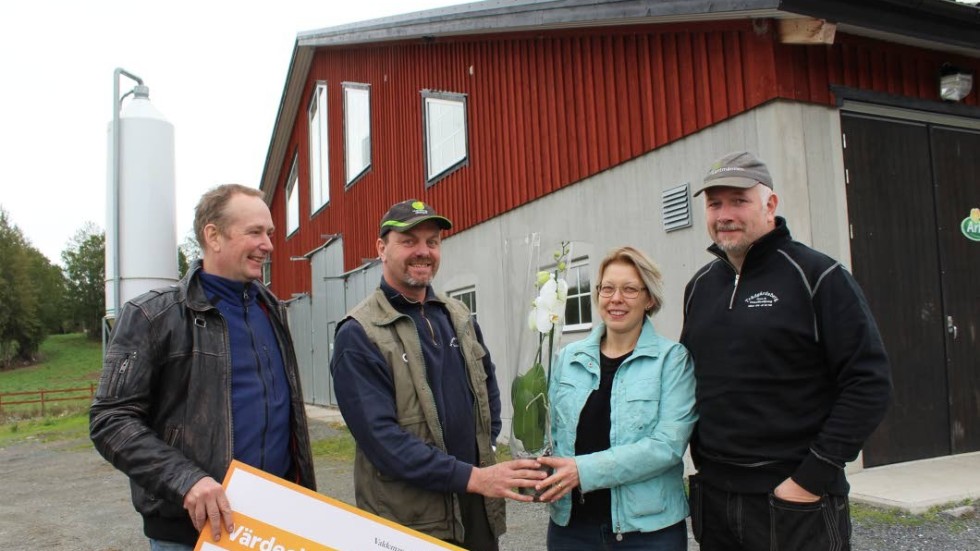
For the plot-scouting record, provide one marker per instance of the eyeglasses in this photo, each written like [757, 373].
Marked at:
[607, 291]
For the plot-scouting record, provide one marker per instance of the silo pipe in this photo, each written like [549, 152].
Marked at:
[116, 106]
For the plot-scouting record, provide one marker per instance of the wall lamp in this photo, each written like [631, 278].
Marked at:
[954, 83]
[298, 258]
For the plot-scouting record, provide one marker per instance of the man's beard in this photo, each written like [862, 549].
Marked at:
[738, 247]
[417, 283]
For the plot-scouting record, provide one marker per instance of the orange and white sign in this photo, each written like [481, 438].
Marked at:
[272, 514]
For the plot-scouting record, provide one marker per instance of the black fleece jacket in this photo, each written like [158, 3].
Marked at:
[792, 376]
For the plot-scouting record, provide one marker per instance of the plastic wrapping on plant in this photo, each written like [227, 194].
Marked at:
[529, 391]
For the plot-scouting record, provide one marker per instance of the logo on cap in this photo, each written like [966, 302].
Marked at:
[407, 214]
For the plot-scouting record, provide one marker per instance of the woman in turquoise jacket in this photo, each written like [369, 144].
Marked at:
[622, 411]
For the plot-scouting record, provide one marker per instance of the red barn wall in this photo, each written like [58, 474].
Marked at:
[548, 109]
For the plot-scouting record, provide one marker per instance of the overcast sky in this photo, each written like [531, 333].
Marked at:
[215, 69]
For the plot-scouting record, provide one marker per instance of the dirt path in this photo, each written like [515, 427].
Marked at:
[63, 496]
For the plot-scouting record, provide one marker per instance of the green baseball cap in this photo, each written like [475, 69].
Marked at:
[408, 214]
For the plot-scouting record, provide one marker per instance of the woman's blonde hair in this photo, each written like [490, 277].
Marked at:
[648, 271]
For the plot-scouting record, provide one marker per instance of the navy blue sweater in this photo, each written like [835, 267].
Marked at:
[365, 390]
[259, 389]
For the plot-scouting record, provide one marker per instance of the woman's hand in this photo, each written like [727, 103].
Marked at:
[562, 480]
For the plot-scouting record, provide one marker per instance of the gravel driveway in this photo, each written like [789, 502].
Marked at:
[64, 496]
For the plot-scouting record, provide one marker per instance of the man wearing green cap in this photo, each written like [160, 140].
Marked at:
[418, 390]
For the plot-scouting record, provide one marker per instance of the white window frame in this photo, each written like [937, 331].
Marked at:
[267, 272]
[444, 134]
[582, 297]
[357, 130]
[459, 294]
[292, 199]
[319, 149]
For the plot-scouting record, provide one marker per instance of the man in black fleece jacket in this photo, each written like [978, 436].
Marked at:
[792, 376]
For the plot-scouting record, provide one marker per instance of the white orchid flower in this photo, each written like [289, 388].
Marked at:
[549, 306]
[562, 291]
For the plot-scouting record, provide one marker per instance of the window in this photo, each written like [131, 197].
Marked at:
[444, 118]
[578, 308]
[357, 130]
[292, 200]
[319, 157]
[267, 272]
[468, 296]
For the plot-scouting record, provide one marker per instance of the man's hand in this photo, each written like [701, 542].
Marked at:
[206, 503]
[789, 490]
[500, 480]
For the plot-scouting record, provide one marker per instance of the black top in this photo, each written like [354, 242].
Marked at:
[592, 435]
[791, 373]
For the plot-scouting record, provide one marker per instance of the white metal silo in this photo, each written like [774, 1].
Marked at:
[141, 201]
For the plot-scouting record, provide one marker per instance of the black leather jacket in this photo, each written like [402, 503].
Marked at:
[162, 413]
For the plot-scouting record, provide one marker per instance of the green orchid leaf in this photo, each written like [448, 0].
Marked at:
[529, 395]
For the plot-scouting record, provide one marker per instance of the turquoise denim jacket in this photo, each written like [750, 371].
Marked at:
[652, 416]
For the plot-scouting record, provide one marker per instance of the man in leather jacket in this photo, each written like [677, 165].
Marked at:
[200, 373]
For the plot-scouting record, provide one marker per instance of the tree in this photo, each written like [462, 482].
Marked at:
[50, 283]
[187, 252]
[84, 260]
[29, 295]
[182, 263]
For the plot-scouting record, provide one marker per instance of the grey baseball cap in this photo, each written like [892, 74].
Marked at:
[739, 169]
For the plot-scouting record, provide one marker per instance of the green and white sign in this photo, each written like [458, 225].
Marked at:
[971, 225]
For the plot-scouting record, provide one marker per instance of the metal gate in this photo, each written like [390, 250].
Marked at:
[313, 318]
[300, 321]
[328, 308]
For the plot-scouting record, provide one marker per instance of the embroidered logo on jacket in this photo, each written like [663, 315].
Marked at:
[764, 299]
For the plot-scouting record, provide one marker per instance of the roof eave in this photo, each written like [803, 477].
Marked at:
[521, 15]
[934, 24]
[292, 92]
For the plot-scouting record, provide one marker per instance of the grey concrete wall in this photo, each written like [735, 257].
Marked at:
[801, 144]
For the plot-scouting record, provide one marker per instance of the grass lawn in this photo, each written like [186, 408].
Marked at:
[46, 429]
[67, 361]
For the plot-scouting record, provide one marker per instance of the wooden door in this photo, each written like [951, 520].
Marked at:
[894, 257]
[912, 187]
[956, 172]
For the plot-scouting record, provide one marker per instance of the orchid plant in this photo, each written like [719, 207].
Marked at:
[529, 391]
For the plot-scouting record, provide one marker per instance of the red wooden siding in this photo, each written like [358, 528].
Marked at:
[549, 109]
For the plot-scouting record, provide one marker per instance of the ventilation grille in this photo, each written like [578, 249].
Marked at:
[677, 207]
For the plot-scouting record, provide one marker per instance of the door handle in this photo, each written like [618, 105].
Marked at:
[951, 327]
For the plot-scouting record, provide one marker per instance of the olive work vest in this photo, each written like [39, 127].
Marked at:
[395, 335]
